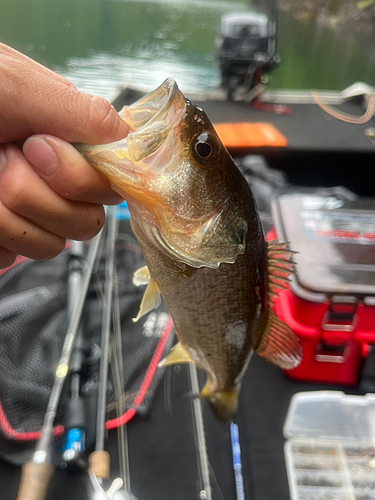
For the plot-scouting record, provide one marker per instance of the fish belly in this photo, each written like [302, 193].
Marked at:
[215, 311]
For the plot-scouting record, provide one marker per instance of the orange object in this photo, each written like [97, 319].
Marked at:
[255, 135]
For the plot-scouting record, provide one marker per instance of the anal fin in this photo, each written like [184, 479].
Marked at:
[279, 344]
[150, 300]
[177, 356]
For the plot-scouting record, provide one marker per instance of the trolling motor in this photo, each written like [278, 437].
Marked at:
[246, 50]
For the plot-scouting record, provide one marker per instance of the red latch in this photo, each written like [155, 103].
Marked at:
[341, 316]
[326, 353]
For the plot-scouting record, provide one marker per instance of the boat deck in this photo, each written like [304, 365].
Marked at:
[307, 128]
[162, 449]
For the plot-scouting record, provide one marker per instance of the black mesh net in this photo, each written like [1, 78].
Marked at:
[33, 323]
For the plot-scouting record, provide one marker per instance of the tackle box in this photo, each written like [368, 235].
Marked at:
[330, 303]
[330, 447]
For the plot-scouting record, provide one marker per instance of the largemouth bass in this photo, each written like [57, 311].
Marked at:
[199, 229]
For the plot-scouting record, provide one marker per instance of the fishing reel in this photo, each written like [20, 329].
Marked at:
[115, 492]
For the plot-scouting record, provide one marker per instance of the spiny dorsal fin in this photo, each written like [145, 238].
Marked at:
[151, 299]
[141, 276]
[279, 344]
[177, 356]
[279, 267]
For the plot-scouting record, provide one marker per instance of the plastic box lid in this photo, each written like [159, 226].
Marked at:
[333, 232]
[331, 416]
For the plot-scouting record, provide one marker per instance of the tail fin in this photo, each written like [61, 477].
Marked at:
[224, 403]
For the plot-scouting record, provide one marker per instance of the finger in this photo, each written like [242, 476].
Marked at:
[21, 236]
[66, 171]
[7, 258]
[23, 192]
[35, 100]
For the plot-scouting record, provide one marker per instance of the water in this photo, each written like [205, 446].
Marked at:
[320, 57]
[101, 44]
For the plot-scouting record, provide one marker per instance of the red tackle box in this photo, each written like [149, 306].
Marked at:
[330, 303]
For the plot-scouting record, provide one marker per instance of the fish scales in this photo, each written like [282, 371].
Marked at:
[214, 311]
[198, 226]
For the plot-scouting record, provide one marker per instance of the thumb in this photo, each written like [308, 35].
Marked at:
[35, 100]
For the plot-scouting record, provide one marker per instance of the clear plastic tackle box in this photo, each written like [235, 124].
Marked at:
[330, 447]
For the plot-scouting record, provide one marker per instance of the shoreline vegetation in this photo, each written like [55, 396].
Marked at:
[357, 15]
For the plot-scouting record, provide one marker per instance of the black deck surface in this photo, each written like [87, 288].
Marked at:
[307, 128]
[163, 456]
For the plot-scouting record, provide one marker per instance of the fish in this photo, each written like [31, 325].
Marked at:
[196, 221]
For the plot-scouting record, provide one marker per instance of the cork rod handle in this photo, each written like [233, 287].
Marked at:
[35, 479]
[99, 462]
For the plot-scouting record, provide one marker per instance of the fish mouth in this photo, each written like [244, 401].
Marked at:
[151, 120]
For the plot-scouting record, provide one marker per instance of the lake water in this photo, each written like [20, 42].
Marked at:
[101, 44]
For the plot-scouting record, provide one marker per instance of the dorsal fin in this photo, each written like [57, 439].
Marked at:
[279, 267]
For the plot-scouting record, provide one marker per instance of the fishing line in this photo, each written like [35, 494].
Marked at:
[118, 377]
[206, 493]
[146, 382]
[216, 485]
[167, 392]
[37, 473]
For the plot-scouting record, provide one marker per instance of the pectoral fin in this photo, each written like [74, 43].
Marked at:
[141, 276]
[177, 356]
[150, 300]
[279, 344]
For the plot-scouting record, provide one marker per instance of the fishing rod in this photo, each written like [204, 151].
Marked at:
[237, 463]
[75, 419]
[121, 486]
[99, 459]
[37, 473]
[205, 493]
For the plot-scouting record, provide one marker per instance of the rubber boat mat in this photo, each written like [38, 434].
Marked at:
[245, 135]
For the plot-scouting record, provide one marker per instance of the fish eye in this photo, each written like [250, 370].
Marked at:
[205, 147]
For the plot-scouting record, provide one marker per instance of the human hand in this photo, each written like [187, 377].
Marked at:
[49, 192]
